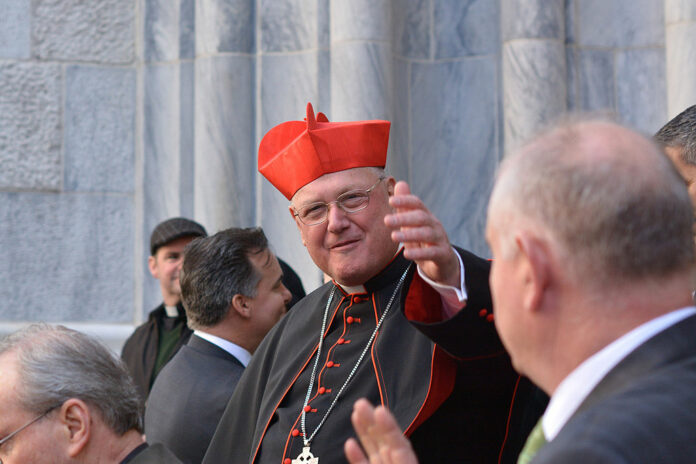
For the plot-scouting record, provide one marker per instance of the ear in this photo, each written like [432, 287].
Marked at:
[240, 304]
[76, 419]
[391, 182]
[535, 266]
[152, 266]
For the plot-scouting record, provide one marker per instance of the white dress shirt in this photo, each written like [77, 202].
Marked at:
[242, 355]
[573, 390]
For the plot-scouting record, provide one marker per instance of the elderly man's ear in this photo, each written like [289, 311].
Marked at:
[75, 424]
[535, 268]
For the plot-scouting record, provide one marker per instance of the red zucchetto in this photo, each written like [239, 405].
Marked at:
[294, 153]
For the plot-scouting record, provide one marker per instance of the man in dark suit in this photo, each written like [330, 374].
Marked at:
[232, 289]
[590, 227]
[65, 398]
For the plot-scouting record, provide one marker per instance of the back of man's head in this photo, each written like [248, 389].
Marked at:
[56, 364]
[680, 132]
[217, 268]
[614, 205]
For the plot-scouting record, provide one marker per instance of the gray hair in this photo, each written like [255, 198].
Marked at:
[217, 268]
[612, 203]
[681, 132]
[56, 364]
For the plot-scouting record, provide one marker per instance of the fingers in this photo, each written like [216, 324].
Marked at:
[363, 419]
[380, 436]
[354, 453]
[423, 236]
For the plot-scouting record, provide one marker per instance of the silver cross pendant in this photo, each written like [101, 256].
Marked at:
[305, 457]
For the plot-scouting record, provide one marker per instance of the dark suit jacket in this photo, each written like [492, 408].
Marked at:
[155, 454]
[189, 397]
[643, 411]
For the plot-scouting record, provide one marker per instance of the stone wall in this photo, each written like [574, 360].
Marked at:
[117, 114]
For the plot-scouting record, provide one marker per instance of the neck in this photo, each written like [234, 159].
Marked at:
[170, 300]
[234, 331]
[116, 448]
[583, 329]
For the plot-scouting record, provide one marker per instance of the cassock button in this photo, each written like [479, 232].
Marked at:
[295, 432]
[287, 461]
[490, 318]
[329, 364]
[307, 408]
[322, 390]
[483, 313]
[349, 319]
[340, 341]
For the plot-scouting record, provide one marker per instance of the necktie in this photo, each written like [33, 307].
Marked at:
[533, 444]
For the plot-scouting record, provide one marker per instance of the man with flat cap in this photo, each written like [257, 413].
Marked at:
[156, 341]
[366, 332]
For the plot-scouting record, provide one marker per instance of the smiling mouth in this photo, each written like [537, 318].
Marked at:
[344, 244]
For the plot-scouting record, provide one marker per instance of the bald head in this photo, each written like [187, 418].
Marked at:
[611, 202]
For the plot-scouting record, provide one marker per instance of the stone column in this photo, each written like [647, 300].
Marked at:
[293, 70]
[361, 71]
[167, 124]
[224, 142]
[534, 69]
[680, 45]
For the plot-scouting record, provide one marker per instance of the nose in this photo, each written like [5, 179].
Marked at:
[336, 218]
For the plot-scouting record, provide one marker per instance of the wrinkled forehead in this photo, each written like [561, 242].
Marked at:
[333, 184]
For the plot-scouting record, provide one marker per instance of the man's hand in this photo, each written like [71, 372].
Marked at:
[425, 240]
[383, 441]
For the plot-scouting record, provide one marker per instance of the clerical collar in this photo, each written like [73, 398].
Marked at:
[172, 311]
[385, 277]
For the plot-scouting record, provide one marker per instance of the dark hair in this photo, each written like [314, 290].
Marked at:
[56, 363]
[681, 132]
[217, 268]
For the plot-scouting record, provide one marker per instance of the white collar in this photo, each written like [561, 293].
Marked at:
[242, 355]
[578, 385]
[171, 311]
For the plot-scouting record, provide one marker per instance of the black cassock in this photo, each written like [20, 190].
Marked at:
[467, 406]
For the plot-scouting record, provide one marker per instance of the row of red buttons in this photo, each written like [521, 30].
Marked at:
[489, 316]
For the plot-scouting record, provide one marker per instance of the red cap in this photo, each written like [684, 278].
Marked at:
[295, 153]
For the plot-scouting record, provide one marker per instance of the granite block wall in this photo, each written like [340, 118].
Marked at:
[117, 114]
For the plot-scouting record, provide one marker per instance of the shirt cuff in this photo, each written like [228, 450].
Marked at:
[453, 298]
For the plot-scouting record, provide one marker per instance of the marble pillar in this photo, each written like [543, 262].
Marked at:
[680, 48]
[534, 69]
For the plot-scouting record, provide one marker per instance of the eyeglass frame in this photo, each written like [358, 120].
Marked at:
[11, 435]
[338, 203]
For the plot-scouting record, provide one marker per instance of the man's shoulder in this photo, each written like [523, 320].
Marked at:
[143, 330]
[651, 420]
[155, 454]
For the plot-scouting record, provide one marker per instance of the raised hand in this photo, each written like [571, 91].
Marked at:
[424, 238]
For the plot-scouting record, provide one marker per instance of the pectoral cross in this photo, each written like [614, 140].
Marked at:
[305, 457]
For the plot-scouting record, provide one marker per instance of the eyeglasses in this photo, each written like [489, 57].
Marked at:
[351, 202]
[36, 419]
